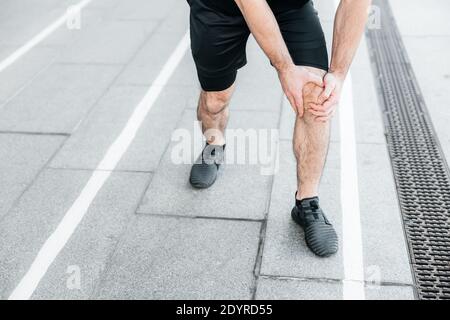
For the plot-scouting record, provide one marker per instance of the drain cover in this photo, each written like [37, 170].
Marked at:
[420, 170]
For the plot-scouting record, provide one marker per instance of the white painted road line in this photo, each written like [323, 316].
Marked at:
[16, 55]
[351, 219]
[351, 216]
[57, 240]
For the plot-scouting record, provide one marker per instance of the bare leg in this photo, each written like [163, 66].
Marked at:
[213, 113]
[310, 143]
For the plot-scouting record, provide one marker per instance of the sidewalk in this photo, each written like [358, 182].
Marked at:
[426, 36]
[148, 234]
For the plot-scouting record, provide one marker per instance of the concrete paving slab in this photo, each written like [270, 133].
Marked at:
[91, 17]
[429, 58]
[369, 125]
[297, 289]
[17, 26]
[19, 75]
[179, 258]
[177, 21]
[39, 211]
[285, 252]
[385, 251]
[104, 4]
[390, 292]
[6, 51]
[422, 20]
[143, 9]
[142, 70]
[58, 99]
[237, 184]
[32, 220]
[95, 16]
[87, 146]
[21, 159]
[108, 43]
[95, 239]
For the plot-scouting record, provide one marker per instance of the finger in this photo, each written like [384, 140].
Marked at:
[324, 112]
[320, 113]
[292, 103]
[326, 93]
[322, 119]
[321, 107]
[315, 106]
[299, 104]
[328, 104]
[314, 78]
[330, 85]
[327, 118]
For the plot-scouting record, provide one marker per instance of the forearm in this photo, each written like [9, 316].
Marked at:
[351, 17]
[264, 27]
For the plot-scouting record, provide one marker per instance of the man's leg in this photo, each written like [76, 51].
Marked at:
[311, 140]
[310, 143]
[218, 42]
[212, 112]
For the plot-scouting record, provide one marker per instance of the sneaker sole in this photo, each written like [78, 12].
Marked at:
[311, 246]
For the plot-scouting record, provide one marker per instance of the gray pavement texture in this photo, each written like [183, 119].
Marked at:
[427, 43]
[147, 233]
[171, 266]
[298, 289]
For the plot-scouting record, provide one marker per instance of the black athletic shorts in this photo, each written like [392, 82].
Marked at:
[219, 36]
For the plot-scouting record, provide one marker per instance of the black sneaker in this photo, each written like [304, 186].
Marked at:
[204, 170]
[320, 235]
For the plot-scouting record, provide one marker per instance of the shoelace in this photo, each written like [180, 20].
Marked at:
[312, 208]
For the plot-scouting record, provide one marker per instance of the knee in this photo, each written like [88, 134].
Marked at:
[215, 102]
[311, 93]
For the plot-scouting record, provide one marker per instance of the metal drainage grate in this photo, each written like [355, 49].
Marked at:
[419, 166]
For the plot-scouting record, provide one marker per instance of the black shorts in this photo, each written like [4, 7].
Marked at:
[219, 36]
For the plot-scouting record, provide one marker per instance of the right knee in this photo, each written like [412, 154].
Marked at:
[215, 103]
[311, 93]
